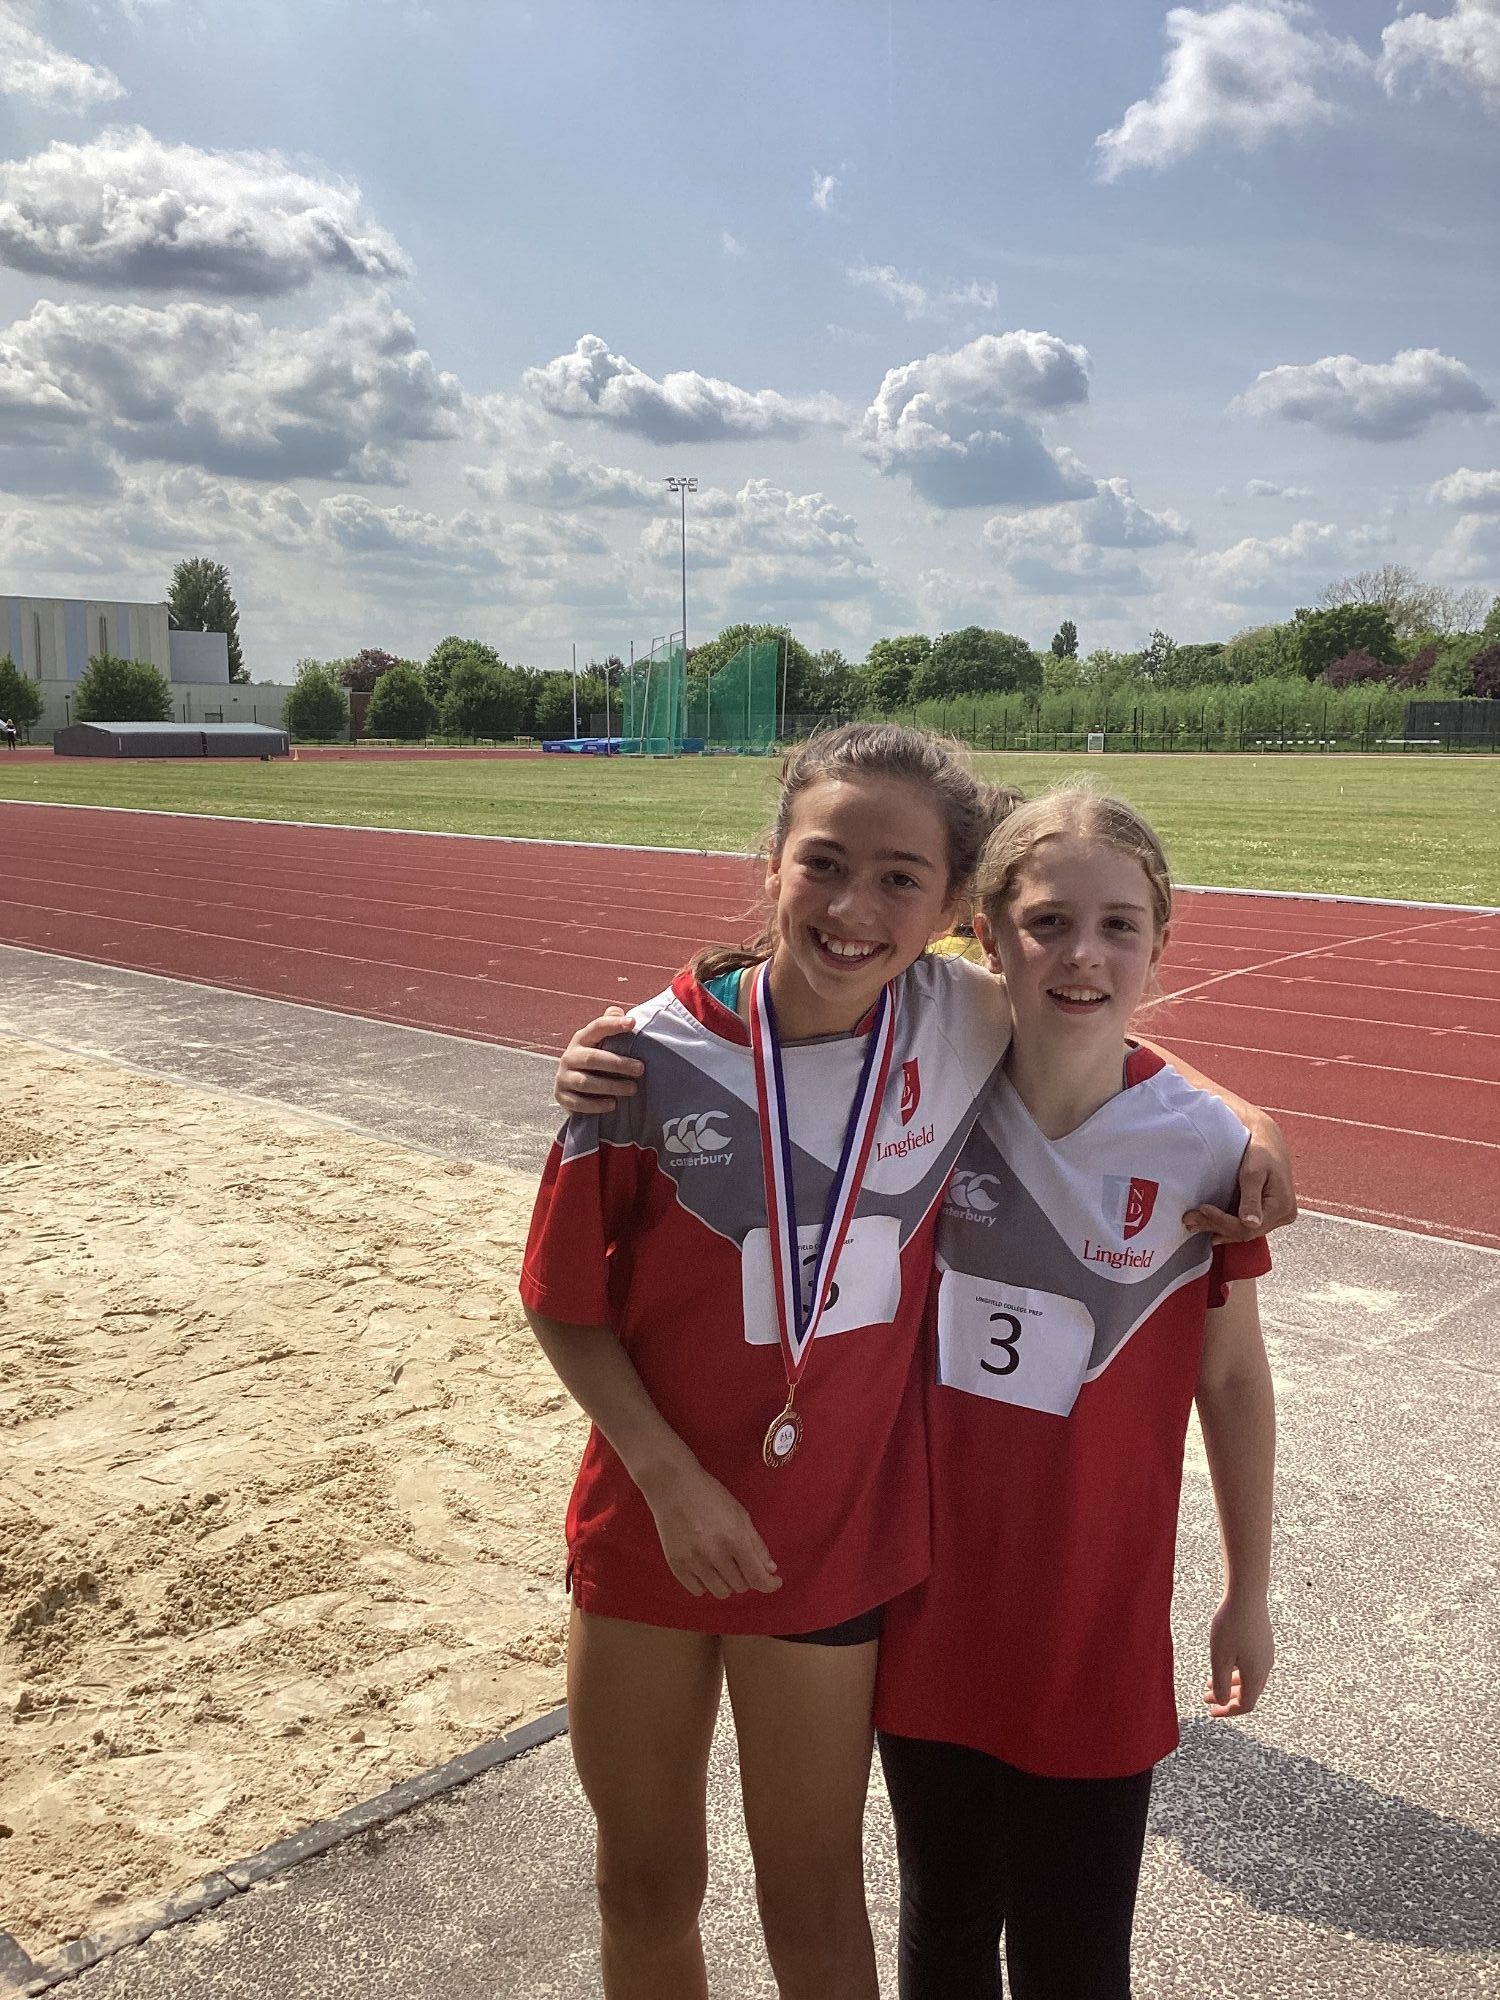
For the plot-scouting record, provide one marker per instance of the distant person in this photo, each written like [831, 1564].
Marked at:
[9, 733]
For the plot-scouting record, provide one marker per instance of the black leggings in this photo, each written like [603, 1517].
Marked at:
[985, 1848]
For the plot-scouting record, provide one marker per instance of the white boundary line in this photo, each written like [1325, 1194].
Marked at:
[698, 853]
[1393, 1229]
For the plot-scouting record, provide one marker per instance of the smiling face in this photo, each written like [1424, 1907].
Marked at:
[1076, 940]
[860, 887]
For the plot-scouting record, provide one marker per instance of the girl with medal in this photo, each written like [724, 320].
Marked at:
[592, 1079]
[729, 1274]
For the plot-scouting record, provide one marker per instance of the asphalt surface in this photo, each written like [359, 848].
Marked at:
[1341, 1844]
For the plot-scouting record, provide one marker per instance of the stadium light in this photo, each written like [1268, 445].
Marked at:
[677, 484]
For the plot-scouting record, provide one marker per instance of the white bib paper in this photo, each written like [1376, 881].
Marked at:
[1011, 1344]
[866, 1288]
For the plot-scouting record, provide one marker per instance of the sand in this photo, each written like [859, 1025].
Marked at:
[282, 1479]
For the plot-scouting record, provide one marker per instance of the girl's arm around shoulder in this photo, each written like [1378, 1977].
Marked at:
[1267, 1194]
[710, 1542]
[1237, 1413]
[592, 1079]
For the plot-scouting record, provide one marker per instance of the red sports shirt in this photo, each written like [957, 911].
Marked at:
[652, 1221]
[1067, 1322]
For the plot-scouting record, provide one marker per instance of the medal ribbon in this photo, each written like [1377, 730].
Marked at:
[795, 1326]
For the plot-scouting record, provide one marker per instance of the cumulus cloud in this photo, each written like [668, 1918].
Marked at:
[1268, 489]
[1471, 554]
[768, 539]
[1460, 49]
[1272, 571]
[961, 425]
[1471, 492]
[730, 245]
[823, 189]
[1241, 73]
[1377, 400]
[682, 408]
[559, 478]
[127, 209]
[210, 386]
[914, 298]
[31, 67]
[1052, 551]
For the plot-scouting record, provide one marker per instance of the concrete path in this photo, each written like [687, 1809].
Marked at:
[1343, 1844]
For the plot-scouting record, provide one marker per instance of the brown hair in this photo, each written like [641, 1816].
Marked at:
[968, 808]
[1074, 808]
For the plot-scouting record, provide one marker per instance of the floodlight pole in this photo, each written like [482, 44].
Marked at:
[677, 483]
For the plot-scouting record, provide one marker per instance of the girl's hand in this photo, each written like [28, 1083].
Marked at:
[591, 1080]
[1267, 1199]
[708, 1539]
[1241, 1653]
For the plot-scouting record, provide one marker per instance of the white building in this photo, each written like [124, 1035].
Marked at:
[52, 640]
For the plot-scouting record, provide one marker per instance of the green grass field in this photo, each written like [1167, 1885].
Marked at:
[1357, 826]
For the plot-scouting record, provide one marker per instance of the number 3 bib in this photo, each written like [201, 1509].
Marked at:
[1012, 1344]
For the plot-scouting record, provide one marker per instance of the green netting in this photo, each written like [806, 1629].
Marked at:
[736, 709]
[651, 702]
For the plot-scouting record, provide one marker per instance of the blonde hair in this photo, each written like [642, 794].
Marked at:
[1075, 808]
[967, 807]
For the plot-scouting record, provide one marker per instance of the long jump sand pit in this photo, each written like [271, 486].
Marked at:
[283, 1480]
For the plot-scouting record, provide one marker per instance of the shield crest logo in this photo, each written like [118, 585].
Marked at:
[911, 1090]
[1129, 1204]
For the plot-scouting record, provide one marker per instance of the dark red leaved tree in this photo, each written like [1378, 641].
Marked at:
[1486, 666]
[1352, 668]
[361, 673]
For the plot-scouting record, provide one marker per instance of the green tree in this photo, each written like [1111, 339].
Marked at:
[1413, 607]
[1489, 632]
[116, 690]
[400, 705]
[974, 661]
[485, 698]
[890, 666]
[1326, 636]
[317, 709]
[794, 662]
[200, 600]
[1106, 670]
[1065, 641]
[20, 697]
[1262, 652]
[1192, 666]
[446, 655]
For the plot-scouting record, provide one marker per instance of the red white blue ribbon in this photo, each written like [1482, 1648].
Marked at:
[796, 1325]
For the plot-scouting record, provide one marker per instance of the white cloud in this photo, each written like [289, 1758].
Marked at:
[767, 540]
[558, 478]
[1460, 49]
[210, 386]
[682, 408]
[1273, 571]
[126, 209]
[731, 245]
[916, 301]
[1471, 553]
[1377, 400]
[960, 425]
[1472, 492]
[1054, 551]
[1268, 489]
[31, 67]
[823, 189]
[1239, 73]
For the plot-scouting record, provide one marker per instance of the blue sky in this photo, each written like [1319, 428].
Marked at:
[958, 312]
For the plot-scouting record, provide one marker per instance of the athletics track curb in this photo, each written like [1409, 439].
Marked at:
[22, 1974]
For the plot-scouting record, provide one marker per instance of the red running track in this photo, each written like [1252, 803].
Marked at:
[1371, 1030]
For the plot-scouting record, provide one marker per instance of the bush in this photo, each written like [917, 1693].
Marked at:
[20, 697]
[400, 705]
[317, 709]
[116, 690]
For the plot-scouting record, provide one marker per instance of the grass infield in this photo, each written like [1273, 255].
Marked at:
[1379, 826]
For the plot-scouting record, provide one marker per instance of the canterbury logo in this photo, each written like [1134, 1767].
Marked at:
[696, 1133]
[975, 1194]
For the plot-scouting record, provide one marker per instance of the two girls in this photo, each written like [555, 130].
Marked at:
[752, 1496]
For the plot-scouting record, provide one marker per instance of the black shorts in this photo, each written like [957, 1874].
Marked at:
[853, 1632]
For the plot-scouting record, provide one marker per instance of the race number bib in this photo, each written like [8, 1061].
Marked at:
[865, 1289]
[1011, 1344]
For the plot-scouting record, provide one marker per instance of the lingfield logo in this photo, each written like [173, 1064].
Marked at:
[1129, 1203]
[911, 1090]
[696, 1138]
[975, 1195]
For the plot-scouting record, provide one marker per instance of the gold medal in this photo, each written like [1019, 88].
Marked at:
[782, 1439]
